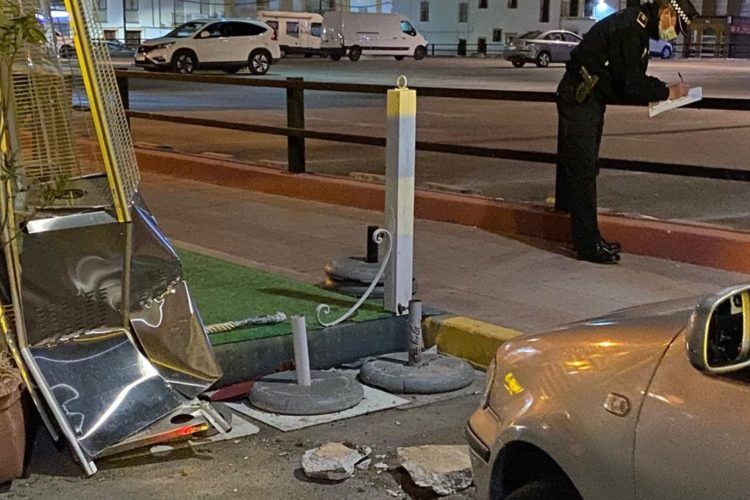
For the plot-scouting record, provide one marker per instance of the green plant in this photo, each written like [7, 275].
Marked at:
[17, 29]
[20, 30]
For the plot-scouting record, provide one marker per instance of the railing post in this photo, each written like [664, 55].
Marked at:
[295, 118]
[123, 87]
[401, 135]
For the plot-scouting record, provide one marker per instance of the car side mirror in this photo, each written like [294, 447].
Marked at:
[718, 336]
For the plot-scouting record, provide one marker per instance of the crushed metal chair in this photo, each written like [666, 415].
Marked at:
[94, 304]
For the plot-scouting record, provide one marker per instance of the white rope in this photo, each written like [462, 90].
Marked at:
[268, 319]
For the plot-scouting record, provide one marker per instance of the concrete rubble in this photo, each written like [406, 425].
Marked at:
[333, 461]
[445, 469]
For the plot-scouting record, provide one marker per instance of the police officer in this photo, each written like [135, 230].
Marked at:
[608, 66]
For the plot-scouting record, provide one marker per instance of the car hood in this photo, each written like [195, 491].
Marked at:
[159, 41]
[680, 309]
[617, 350]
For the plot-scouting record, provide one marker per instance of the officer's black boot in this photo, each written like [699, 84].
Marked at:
[597, 253]
[612, 246]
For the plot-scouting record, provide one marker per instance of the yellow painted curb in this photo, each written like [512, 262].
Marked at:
[472, 340]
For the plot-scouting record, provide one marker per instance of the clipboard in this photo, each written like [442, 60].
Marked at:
[694, 94]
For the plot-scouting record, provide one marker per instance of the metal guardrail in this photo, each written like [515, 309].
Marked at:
[680, 50]
[296, 132]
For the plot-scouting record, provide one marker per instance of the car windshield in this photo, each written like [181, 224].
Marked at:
[530, 35]
[185, 30]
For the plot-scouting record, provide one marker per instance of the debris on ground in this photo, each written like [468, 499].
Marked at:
[333, 461]
[445, 469]
[364, 464]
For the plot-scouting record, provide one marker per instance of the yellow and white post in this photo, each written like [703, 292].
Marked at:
[401, 136]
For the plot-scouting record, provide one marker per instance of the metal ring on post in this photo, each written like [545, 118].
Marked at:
[324, 309]
[401, 82]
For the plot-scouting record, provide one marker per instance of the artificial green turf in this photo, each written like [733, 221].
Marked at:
[225, 291]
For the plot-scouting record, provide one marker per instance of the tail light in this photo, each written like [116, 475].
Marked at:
[274, 36]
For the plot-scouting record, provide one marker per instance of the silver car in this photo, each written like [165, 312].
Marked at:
[541, 48]
[648, 402]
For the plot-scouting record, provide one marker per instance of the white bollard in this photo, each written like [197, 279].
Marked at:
[301, 355]
[399, 195]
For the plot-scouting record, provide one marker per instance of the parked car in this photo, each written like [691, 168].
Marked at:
[647, 402]
[661, 48]
[228, 44]
[64, 44]
[66, 48]
[118, 49]
[360, 33]
[541, 48]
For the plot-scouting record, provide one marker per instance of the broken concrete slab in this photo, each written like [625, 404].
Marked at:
[445, 469]
[333, 461]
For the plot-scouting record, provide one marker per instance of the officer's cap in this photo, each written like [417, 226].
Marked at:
[685, 9]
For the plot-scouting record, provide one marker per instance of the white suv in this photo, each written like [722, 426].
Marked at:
[228, 44]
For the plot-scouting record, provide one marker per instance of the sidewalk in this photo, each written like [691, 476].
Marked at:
[460, 269]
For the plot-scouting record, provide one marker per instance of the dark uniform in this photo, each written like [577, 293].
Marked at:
[615, 54]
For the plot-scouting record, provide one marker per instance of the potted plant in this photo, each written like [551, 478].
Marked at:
[12, 423]
[16, 30]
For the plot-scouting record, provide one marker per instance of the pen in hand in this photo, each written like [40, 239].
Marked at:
[680, 75]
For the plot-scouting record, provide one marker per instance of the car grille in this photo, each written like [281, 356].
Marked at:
[144, 50]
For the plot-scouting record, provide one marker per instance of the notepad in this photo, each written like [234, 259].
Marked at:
[694, 94]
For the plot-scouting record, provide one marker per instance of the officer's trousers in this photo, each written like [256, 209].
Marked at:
[579, 136]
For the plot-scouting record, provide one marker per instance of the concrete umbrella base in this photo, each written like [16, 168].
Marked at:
[329, 392]
[435, 374]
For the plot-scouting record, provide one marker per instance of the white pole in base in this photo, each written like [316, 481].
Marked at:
[399, 195]
[416, 344]
[301, 355]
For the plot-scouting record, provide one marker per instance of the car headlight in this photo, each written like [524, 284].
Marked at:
[489, 379]
[162, 46]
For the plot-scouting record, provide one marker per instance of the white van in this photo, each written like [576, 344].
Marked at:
[357, 33]
[297, 32]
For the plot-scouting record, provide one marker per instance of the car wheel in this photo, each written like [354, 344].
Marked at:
[231, 71]
[184, 62]
[398, 58]
[543, 59]
[259, 62]
[545, 489]
[355, 53]
[518, 64]
[336, 56]
[66, 51]
[419, 53]
[666, 52]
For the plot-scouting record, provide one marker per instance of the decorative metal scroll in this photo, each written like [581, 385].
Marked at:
[324, 309]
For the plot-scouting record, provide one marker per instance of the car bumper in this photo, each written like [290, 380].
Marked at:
[480, 464]
[153, 59]
[519, 55]
[483, 436]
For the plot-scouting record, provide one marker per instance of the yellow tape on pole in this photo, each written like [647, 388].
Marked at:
[103, 133]
[402, 101]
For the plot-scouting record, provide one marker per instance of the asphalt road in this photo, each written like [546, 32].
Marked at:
[698, 137]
